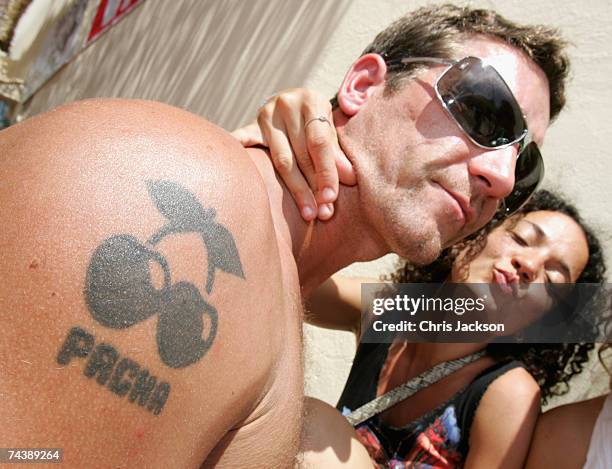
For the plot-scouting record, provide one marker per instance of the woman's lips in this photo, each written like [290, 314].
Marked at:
[501, 279]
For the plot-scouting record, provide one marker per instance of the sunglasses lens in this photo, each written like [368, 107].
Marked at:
[482, 104]
[528, 174]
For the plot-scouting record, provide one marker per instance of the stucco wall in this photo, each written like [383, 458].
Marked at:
[219, 58]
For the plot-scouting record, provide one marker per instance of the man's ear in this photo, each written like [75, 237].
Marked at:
[365, 74]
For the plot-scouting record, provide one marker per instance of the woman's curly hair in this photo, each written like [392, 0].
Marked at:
[551, 365]
[607, 364]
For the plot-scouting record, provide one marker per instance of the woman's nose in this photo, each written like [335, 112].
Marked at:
[527, 266]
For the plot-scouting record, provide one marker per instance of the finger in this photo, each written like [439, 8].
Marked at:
[325, 212]
[286, 111]
[285, 164]
[320, 139]
[249, 135]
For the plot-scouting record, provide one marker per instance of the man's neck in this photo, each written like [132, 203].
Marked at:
[320, 248]
[323, 248]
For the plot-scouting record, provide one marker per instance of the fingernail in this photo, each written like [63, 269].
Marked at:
[308, 212]
[325, 211]
[328, 194]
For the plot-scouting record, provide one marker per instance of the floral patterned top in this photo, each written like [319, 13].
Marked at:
[438, 439]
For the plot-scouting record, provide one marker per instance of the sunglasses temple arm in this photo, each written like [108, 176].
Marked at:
[526, 141]
[409, 60]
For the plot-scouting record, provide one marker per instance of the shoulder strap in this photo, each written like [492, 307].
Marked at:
[410, 387]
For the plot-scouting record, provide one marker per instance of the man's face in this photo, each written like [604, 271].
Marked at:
[424, 184]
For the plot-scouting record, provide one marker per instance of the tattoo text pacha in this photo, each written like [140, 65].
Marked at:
[122, 375]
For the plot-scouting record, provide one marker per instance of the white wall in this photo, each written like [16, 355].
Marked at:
[219, 58]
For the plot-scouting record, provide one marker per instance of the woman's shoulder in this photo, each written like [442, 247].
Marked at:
[504, 419]
[510, 392]
[500, 381]
[512, 383]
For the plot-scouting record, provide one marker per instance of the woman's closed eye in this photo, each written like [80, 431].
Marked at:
[518, 239]
[557, 286]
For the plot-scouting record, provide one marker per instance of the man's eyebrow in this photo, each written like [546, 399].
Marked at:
[541, 235]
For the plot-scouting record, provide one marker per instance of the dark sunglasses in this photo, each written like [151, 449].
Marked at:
[478, 99]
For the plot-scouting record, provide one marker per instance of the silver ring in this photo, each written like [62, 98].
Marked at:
[320, 119]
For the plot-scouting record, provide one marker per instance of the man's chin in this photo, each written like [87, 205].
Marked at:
[421, 252]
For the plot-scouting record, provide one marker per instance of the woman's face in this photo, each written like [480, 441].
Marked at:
[520, 257]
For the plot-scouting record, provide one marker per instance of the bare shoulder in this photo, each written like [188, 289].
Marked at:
[329, 440]
[120, 128]
[516, 385]
[569, 427]
[504, 421]
[511, 399]
[137, 246]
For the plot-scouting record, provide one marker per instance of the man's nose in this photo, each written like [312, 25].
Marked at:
[527, 266]
[495, 170]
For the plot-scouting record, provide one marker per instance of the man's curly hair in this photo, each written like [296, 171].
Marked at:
[551, 365]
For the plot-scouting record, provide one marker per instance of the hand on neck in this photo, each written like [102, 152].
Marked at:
[348, 237]
[319, 248]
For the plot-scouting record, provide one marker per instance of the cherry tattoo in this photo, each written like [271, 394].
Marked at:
[120, 293]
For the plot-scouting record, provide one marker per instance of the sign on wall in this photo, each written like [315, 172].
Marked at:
[38, 37]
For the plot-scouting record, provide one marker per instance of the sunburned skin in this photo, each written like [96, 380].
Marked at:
[149, 306]
[119, 293]
[128, 376]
